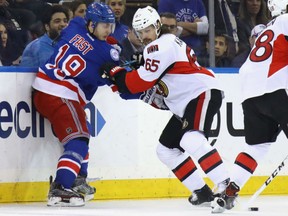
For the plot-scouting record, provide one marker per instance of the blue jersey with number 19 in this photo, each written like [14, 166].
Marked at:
[72, 71]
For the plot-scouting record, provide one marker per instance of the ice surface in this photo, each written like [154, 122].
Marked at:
[268, 205]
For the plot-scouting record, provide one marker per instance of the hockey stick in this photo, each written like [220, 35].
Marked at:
[266, 183]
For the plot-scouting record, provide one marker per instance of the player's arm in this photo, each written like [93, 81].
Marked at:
[200, 26]
[156, 63]
[127, 82]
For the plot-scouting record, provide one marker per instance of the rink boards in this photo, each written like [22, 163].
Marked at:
[122, 147]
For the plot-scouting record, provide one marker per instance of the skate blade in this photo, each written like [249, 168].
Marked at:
[218, 205]
[89, 197]
[57, 202]
[204, 204]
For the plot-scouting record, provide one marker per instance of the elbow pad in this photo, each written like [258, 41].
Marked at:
[202, 27]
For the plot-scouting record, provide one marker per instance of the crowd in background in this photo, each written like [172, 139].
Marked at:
[26, 26]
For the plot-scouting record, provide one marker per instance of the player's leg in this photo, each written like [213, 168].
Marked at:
[171, 154]
[69, 124]
[81, 185]
[260, 132]
[199, 115]
[186, 171]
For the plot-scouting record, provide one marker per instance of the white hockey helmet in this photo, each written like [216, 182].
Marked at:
[145, 17]
[277, 7]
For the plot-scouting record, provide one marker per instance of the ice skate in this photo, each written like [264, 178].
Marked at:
[201, 197]
[62, 197]
[81, 186]
[226, 200]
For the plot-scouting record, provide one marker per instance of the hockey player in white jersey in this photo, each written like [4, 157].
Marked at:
[191, 93]
[264, 78]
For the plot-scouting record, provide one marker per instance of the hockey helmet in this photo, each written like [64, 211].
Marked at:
[277, 7]
[145, 17]
[99, 12]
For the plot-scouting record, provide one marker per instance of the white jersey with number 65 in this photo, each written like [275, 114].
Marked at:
[169, 62]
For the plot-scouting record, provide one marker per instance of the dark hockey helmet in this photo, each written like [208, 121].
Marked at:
[99, 12]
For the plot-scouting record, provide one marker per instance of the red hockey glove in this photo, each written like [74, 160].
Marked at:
[109, 70]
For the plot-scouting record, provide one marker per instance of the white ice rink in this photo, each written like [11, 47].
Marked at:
[268, 205]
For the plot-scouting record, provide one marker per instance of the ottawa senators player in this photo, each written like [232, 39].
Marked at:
[191, 93]
[264, 78]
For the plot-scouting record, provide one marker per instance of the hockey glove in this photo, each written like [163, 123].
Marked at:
[109, 70]
[137, 60]
[154, 98]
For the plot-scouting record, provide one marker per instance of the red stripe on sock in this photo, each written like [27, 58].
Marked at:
[185, 169]
[246, 161]
[209, 161]
[69, 164]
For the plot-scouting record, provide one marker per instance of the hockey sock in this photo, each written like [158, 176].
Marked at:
[69, 163]
[247, 161]
[196, 144]
[84, 166]
[182, 166]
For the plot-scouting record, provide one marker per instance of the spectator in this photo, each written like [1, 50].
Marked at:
[118, 7]
[37, 7]
[10, 54]
[13, 25]
[38, 51]
[191, 16]
[251, 13]
[76, 7]
[169, 21]
[241, 58]
[221, 49]
[225, 22]
[130, 45]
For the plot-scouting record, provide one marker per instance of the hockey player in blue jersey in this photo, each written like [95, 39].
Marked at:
[63, 86]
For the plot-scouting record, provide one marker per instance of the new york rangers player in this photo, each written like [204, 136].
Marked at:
[191, 93]
[264, 77]
[63, 86]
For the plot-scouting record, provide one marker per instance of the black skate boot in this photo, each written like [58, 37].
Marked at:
[202, 196]
[62, 197]
[81, 186]
[226, 200]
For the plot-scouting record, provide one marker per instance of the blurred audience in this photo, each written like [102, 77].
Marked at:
[130, 45]
[191, 16]
[221, 49]
[169, 21]
[13, 22]
[10, 53]
[55, 18]
[225, 22]
[118, 7]
[241, 58]
[76, 7]
[251, 13]
[22, 21]
[37, 7]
